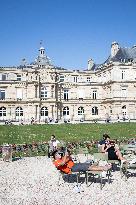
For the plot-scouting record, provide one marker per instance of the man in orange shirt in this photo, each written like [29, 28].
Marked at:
[66, 164]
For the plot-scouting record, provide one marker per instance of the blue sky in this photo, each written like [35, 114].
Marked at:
[72, 31]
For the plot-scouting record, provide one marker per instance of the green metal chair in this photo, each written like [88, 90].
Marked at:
[83, 150]
[61, 175]
[128, 149]
[100, 156]
[104, 156]
[129, 152]
[97, 158]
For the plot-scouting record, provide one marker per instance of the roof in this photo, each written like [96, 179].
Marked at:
[95, 67]
[127, 54]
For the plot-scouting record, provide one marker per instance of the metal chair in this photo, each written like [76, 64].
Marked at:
[97, 158]
[130, 154]
[77, 174]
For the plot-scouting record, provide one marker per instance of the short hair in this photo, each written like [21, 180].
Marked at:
[105, 136]
[53, 137]
[54, 153]
[112, 141]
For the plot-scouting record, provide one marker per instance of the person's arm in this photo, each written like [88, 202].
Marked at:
[116, 147]
[59, 164]
[66, 158]
[105, 149]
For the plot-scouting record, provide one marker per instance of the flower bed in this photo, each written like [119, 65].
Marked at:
[41, 149]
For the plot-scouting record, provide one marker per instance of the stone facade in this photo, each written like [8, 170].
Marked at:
[45, 92]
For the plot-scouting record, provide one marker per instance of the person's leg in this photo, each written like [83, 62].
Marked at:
[119, 155]
[80, 167]
[85, 166]
[99, 168]
[122, 159]
[95, 168]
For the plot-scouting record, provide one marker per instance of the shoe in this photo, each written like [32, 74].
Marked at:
[77, 189]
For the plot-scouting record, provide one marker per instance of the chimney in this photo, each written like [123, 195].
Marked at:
[114, 48]
[90, 64]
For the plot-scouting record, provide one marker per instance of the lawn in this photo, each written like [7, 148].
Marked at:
[67, 132]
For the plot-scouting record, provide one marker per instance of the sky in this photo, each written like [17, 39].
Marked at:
[72, 31]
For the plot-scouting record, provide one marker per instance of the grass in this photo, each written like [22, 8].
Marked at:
[66, 132]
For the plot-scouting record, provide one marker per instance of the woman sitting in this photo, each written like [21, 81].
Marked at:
[112, 149]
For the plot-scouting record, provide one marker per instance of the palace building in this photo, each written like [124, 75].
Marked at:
[43, 91]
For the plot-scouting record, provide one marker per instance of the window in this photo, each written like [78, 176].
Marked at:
[19, 111]
[80, 111]
[61, 78]
[65, 94]
[110, 110]
[130, 60]
[124, 107]
[75, 79]
[88, 79]
[44, 92]
[81, 94]
[95, 111]
[42, 52]
[2, 111]
[123, 74]
[18, 77]
[3, 77]
[19, 93]
[2, 94]
[124, 92]
[124, 110]
[44, 111]
[94, 94]
[65, 111]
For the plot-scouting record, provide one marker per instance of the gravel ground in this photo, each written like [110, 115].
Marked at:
[34, 181]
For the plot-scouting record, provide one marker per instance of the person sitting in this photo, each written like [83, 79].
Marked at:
[112, 149]
[105, 137]
[102, 141]
[67, 166]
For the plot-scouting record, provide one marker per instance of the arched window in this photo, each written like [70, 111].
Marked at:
[65, 111]
[124, 110]
[44, 111]
[94, 94]
[19, 111]
[110, 109]
[95, 111]
[80, 111]
[2, 111]
[43, 92]
[123, 107]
